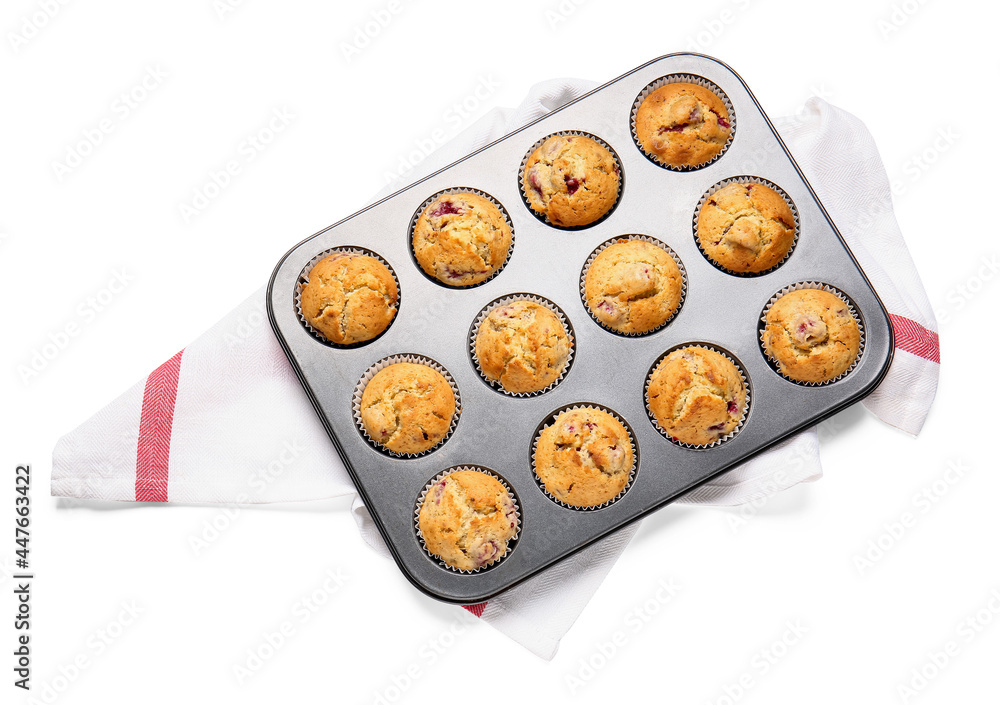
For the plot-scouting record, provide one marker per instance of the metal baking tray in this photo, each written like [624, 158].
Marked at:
[496, 430]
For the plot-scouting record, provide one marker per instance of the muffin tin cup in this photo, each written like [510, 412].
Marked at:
[303, 279]
[511, 542]
[683, 78]
[503, 301]
[547, 423]
[544, 218]
[746, 180]
[746, 406]
[459, 189]
[359, 390]
[762, 325]
[644, 238]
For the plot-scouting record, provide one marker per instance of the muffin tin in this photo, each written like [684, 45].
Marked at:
[496, 431]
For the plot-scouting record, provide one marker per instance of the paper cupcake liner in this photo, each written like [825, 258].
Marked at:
[544, 218]
[303, 279]
[762, 325]
[359, 389]
[547, 423]
[511, 542]
[746, 385]
[644, 238]
[683, 78]
[460, 189]
[746, 180]
[502, 301]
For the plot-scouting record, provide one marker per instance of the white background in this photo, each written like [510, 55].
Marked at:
[912, 71]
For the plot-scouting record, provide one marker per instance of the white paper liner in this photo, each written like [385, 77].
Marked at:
[746, 405]
[503, 301]
[644, 238]
[460, 189]
[551, 418]
[511, 542]
[359, 390]
[543, 217]
[762, 326]
[683, 78]
[303, 278]
[747, 180]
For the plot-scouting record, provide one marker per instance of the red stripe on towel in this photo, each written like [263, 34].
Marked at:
[914, 338]
[476, 609]
[153, 457]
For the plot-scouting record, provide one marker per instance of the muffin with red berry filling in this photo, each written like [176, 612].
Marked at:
[571, 180]
[407, 407]
[349, 297]
[522, 346]
[467, 519]
[683, 125]
[812, 335]
[696, 395]
[746, 227]
[461, 239]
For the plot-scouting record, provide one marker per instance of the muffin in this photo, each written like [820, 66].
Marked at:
[696, 395]
[467, 518]
[407, 407]
[811, 335]
[523, 346]
[572, 180]
[584, 458]
[349, 298]
[746, 227]
[683, 125]
[461, 239]
[633, 286]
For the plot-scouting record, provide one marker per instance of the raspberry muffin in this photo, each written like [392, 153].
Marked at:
[696, 395]
[683, 125]
[584, 458]
[633, 286]
[407, 407]
[461, 239]
[523, 346]
[349, 298]
[746, 227]
[467, 519]
[811, 335]
[572, 180]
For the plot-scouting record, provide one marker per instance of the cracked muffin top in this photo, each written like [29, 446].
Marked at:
[633, 286]
[522, 345]
[572, 180]
[682, 124]
[584, 458]
[466, 519]
[349, 298]
[811, 335]
[407, 407]
[461, 239]
[746, 227]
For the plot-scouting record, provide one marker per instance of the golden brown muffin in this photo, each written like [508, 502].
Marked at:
[572, 180]
[683, 124]
[522, 345]
[633, 286]
[407, 407]
[746, 227]
[697, 396]
[584, 458]
[467, 518]
[811, 335]
[461, 239]
[349, 298]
